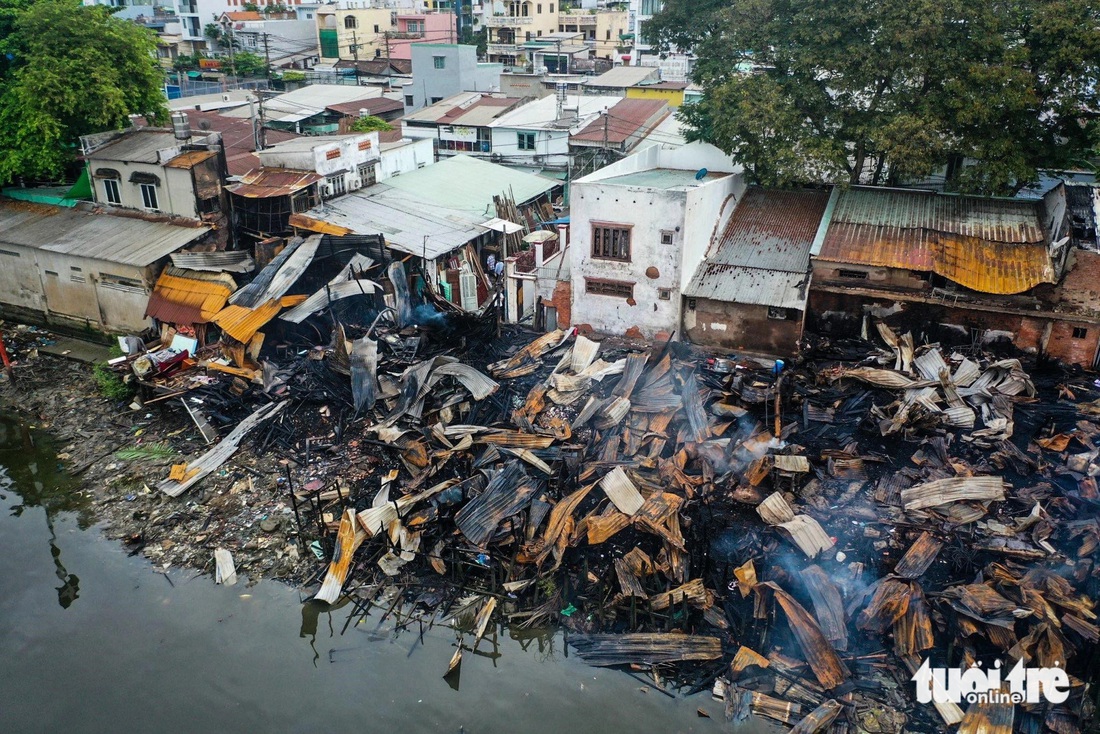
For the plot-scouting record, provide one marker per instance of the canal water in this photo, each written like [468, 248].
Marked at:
[93, 640]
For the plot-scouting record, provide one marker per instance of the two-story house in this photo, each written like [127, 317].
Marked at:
[161, 171]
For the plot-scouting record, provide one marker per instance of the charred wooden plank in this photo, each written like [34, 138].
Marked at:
[645, 649]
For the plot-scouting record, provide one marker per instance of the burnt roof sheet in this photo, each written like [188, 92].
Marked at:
[987, 245]
[762, 255]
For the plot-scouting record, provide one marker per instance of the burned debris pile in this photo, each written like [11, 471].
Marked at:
[799, 540]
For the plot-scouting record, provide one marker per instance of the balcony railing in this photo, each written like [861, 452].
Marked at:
[506, 21]
[502, 48]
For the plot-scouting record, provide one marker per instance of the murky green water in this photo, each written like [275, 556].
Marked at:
[93, 640]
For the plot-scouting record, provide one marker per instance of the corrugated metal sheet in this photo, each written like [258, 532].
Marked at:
[626, 119]
[117, 239]
[762, 255]
[280, 274]
[771, 229]
[328, 295]
[237, 261]
[263, 183]
[186, 297]
[190, 159]
[988, 245]
[242, 323]
[140, 145]
[622, 77]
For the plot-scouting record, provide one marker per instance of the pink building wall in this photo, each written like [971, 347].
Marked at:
[433, 28]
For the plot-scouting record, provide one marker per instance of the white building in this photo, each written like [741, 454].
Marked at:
[346, 161]
[284, 39]
[639, 229]
[536, 135]
[675, 67]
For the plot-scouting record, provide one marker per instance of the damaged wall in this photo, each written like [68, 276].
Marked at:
[75, 292]
[656, 270]
[1056, 335]
[741, 327]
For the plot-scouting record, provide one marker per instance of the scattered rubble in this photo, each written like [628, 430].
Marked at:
[798, 540]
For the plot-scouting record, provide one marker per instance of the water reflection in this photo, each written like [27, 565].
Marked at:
[28, 462]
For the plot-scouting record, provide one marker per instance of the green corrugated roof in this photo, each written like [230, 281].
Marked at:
[469, 184]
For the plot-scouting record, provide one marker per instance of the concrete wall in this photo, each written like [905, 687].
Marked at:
[523, 85]
[551, 147]
[175, 193]
[741, 327]
[72, 291]
[396, 161]
[461, 72]
[706, 207]
[893, 278]
[435, 27]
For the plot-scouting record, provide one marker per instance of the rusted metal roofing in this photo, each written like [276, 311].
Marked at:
[625, 119]
[263, 183]
[190, 159]
[112, 238]
[242, 323]
[189, 297]
[987, 245]
[762, 255]
[375, 106]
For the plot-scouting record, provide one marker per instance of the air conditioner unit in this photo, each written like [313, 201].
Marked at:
[355, 183]
[226, 98]
[495, 157]
[538, 159]
[326, 190]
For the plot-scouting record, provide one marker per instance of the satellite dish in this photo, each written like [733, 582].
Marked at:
[701, 174]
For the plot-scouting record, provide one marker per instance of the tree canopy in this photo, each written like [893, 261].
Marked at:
[885, 91]
[369, 124]
[69, 70]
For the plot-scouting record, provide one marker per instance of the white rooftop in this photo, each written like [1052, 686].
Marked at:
[542, 113]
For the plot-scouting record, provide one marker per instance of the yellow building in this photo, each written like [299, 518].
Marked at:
[671, 92]
[601, 28]
[522, 21]
[346, 31]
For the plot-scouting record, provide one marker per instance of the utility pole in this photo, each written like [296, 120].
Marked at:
[232, 58]
[267, 59]
[355, 54]
[261, 132]
[389, 69]
[605, 155]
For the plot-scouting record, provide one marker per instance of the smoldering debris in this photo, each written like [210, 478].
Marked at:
[797, 542]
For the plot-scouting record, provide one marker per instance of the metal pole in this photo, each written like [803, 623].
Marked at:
[5, 359]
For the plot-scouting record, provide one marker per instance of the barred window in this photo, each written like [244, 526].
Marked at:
[602, 287]
[610, 242]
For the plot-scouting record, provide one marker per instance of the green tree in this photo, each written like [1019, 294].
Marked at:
[74, 70]
[369, 124]
[249, 64]
[884, 91]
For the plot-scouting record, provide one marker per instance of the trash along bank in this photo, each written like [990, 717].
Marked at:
[798, 542]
